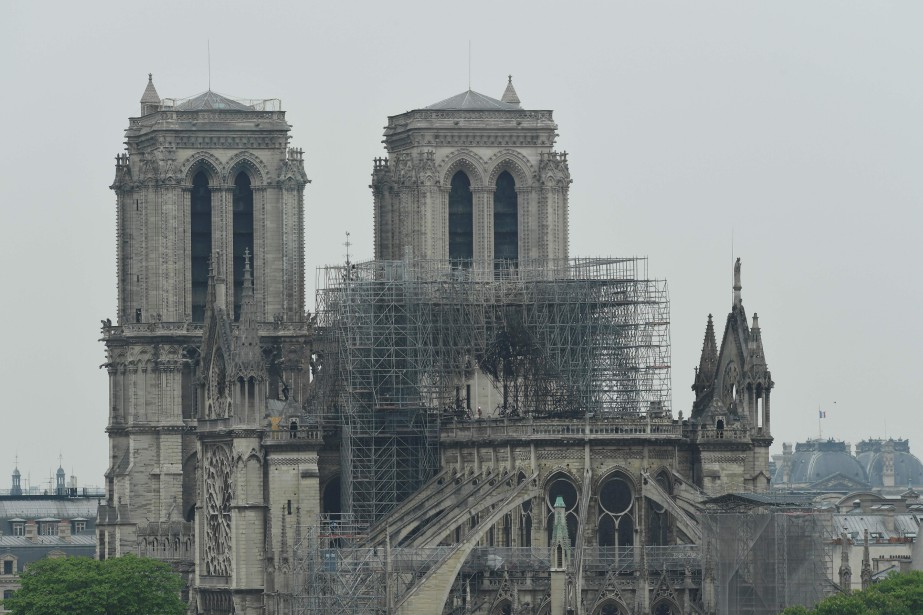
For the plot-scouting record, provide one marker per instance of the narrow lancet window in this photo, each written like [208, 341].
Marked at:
[506, 222]
[243, 234]
[200, 222]
[461, 220]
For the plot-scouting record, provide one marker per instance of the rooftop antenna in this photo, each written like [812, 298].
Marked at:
[209, 43]
[469, 64]
[347, 243]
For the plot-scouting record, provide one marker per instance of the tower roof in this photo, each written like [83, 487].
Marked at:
[474, 101]
[509, 94]
[150, 95]
[212, 100]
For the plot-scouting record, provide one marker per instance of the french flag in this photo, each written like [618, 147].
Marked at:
[821, 414]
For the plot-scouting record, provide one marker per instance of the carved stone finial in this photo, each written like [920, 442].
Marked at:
[737, 285]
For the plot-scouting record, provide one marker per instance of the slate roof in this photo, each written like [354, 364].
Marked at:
[472, 101]
[212, 100]
[30, 508]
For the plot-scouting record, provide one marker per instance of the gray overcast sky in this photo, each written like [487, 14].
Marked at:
[793, 126]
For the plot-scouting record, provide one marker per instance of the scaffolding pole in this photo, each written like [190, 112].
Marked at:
[400, 339]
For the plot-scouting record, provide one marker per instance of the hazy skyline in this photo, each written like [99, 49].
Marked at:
[792, 128]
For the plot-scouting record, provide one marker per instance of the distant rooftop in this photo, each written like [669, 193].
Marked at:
[472, 101]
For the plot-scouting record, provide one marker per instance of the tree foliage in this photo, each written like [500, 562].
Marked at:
[82, 586]
[898, 594]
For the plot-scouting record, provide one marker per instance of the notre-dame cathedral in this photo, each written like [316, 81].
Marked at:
[473, 422]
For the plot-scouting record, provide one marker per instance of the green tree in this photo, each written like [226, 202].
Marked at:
[82, 586]
[898, 594]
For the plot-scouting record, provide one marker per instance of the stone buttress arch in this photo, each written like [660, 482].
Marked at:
[435, 585]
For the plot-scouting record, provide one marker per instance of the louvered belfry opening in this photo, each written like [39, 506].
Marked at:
[461, 220]
[243, 234]
[506, 221]
[200, 222]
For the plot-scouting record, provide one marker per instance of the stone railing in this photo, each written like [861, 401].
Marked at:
[287, 435]
[594, 429]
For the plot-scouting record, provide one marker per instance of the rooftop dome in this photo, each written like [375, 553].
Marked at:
[815, 460]
[908, 470]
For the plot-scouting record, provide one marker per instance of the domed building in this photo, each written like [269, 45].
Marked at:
[820, 465]
[889, 464]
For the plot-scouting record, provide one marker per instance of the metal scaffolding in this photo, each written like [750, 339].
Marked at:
[764, 562]
[399, 340]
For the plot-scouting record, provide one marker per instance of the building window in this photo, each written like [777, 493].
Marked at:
[506, 222]
[48, 529]
[7, 594]
[200, 221]
[80, 526]
[461, 220]
[9, 566]
[19, 529]
[243, 234]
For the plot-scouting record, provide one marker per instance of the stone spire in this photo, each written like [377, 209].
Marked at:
[248, 348]
[755, 344]
[708, 363]
[509, 95]
[150, 100]
[845, 570]
[866, 563]
[560, 537]
[560, 557]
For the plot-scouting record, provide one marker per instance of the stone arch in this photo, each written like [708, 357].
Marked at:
[604, 606]
[502, 606]
[515, 163]
[627, 474]
[202, 161]
[249, 163]
[467, 161]
[665, 606]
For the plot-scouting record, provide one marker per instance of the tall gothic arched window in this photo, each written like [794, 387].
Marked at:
[461, 220]
[243, 233]
[200, 233]
[506, 221]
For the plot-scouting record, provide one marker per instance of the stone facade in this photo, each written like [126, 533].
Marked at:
[217, 454]
[211, 324]
[477, 147]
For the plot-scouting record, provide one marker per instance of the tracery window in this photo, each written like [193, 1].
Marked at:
[200, 233]
[243, 234]
[563, 486]
[616, 524]
[461, 220]
[506, 222]
[218, 497]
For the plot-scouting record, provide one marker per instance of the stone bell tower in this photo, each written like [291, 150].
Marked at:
[207, 183]
[474, 180]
